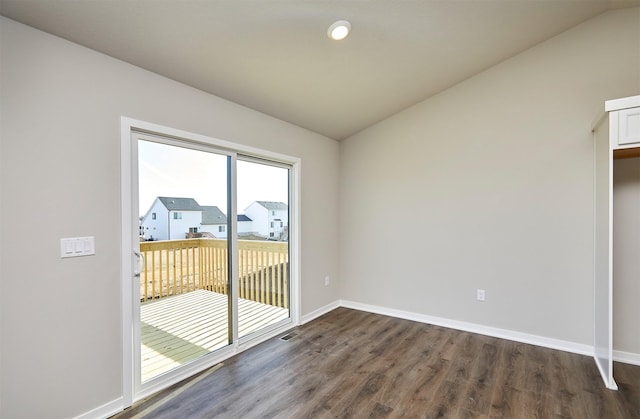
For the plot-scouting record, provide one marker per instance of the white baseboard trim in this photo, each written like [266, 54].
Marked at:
[563, 345]
[104, 411]
[626, 357]
[546, 342]
[319, 312]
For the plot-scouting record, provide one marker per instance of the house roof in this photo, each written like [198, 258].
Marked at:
[270, 205]
[213, 215]
[179, 204]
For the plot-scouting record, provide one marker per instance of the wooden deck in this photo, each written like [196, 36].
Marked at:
[178, 329]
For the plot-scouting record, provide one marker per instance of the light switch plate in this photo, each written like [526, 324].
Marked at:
[72, 247]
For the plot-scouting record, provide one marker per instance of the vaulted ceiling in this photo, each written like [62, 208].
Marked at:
[274, 56]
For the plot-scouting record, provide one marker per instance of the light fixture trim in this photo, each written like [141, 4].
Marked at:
[339, 30]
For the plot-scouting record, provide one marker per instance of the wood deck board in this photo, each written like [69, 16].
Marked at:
[181, 328]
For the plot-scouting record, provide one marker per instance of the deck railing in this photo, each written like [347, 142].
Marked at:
[174, 267]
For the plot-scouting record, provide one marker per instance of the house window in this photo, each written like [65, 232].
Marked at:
[273, 213]
[221, 229]
[271, 234]
[281, 224]
[153, 215]
[271, 224]
[177, 216]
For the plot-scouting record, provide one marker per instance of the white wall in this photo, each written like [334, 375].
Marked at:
[245, 227]
[280, 217]
[260, 218]
[626, 257]
[158, 228]
[60, 148]
[180, 227]
[490, 184]
[213, 229]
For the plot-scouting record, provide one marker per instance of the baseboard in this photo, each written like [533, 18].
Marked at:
[563, 345]
[546, 342]
[319, 312]
[626, 357]
[104, 411]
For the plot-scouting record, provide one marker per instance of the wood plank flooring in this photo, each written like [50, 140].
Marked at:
[178, 329]
[352, 364]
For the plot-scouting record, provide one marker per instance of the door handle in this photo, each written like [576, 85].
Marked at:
[139, 258]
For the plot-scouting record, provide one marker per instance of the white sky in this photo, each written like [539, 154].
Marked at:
[165, 170]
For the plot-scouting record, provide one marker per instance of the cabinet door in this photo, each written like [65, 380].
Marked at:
[628, 126]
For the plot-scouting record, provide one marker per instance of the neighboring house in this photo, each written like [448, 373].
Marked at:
[245, 225]
[270, 219]
[170, 218]
[215, 222]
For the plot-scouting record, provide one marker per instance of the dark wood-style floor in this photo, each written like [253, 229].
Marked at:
[349, 363]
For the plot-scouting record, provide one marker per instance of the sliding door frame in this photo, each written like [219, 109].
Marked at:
[132, 389]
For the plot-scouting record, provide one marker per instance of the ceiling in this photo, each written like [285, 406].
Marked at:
[274, 56]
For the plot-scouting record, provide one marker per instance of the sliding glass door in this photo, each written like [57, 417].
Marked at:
[208, 268]
[263, 245]
[185, 298]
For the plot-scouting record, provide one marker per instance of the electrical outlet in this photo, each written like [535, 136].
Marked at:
[327, 281]
[480, 295]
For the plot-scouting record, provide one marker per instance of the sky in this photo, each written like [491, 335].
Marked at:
[165, 170]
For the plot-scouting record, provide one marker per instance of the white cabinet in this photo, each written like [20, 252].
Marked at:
[624, 122]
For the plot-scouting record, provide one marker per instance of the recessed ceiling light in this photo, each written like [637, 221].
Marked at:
[339, 30]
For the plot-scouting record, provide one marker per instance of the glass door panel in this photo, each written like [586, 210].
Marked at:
[263, 245]
[185, 297]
